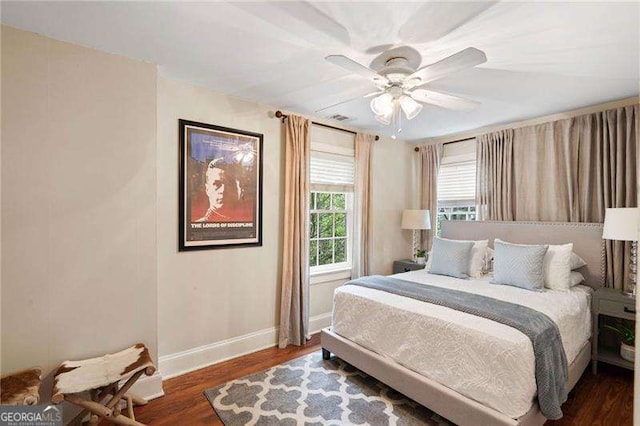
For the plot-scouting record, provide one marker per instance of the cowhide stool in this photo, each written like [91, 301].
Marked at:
[101, 377]
[21, 388]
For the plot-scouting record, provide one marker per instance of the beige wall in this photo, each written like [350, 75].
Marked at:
[210, 296]
[89, 212]
[78, 202]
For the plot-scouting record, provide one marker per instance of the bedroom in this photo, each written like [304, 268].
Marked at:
[104, 102]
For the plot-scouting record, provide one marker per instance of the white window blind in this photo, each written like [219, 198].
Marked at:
[457, 183]
[331, 172]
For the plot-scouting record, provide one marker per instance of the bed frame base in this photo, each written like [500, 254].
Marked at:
[438, 398]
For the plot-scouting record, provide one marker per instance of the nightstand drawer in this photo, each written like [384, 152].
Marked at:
[618, 309]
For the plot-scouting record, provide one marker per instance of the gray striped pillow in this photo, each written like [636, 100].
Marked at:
[519, 265]
[450, 257]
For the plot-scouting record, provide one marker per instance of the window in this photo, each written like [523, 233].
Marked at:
[329, 230]
[331, 210]
[457, 184]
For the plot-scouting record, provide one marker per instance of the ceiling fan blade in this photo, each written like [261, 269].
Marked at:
[356, 68]
[467, 58]
[444, 100]
[369, 95]
[338, 103]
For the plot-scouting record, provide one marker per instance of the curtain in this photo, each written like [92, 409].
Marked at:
[430, 156]
[362, 252]
[495, 176]
[571, 170]
[294, 299]
[607, 176]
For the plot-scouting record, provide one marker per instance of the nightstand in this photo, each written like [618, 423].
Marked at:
[406, 265]
[611, 303]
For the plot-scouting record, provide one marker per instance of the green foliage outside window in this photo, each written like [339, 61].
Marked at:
[328, 229]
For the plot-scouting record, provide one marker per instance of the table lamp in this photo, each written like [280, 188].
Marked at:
[416, 220]
[622, 224]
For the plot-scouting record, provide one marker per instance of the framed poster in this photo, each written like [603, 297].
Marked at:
[220, 187]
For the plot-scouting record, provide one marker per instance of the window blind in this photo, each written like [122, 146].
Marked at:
[457, 183]
[331, 172]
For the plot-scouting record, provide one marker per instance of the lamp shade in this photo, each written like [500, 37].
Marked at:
[416, 219]
[621, 224]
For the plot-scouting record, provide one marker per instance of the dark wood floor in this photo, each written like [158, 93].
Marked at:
[605, 399]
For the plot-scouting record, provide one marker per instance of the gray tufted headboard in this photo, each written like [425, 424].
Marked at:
[586, 238]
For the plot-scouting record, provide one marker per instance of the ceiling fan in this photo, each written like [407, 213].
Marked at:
[401, 84]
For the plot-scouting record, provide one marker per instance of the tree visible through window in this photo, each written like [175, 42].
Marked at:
[328, 229]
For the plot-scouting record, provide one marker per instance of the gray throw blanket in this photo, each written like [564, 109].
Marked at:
[551, 368]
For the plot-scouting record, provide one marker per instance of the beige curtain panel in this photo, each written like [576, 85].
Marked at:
[294, 302]
[430, 156]
[571, 170]
[362, 252]
[494, 174]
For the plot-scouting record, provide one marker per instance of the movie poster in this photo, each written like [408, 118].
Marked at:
[220, 187]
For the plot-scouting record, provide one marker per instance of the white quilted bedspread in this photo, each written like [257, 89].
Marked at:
[484, 360]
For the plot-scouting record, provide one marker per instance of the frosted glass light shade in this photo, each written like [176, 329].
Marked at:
[416, 219]
[410, 107]
[384, 119]
[382, 105]
[621, 224]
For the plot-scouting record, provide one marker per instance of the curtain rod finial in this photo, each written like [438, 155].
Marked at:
[416, 149]
[280, 115]
[377, 137]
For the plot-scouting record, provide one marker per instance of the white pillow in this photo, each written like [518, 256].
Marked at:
[557, 267]
[577, 262]
[576, 278]
[478, 253]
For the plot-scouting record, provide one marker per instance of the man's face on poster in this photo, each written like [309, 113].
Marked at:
[214, 185]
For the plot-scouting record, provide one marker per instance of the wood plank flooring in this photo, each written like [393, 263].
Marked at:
[605, 399]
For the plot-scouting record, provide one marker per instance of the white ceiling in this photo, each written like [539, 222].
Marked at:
[542, 57]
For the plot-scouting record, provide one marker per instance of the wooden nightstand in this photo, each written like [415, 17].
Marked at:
[406, 265]
[611, 303]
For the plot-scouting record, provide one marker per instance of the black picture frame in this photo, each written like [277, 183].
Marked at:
[220, 170]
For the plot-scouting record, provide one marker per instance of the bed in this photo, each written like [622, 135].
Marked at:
[468, 369]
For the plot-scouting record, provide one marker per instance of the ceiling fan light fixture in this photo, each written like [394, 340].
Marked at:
[382, 105]
[410, 107]
[384, 119]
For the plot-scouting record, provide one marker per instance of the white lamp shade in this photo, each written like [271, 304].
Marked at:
[621, 224]
[416, 219]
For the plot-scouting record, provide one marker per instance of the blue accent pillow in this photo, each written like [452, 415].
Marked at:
[519, 265]
[450, 257]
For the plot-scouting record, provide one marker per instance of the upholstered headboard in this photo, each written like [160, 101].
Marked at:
[586, 238]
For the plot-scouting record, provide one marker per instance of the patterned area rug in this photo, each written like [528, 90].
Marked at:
[312, 391]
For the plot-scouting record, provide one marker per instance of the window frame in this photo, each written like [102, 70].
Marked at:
[454, 154]
[332, 268]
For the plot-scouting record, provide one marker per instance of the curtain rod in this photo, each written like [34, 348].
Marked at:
[282, 116]
[416, 149]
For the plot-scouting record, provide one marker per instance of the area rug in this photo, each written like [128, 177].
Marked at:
[312, 391]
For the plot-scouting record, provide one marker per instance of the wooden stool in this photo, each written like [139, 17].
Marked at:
[22, 388]
[101, 377]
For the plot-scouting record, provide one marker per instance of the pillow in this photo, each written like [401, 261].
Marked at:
[488, 260]
[478, 254]
[478, 257]
[577, 262]
[557, 267]
[451, 257]
[576, 278]
[519, 265]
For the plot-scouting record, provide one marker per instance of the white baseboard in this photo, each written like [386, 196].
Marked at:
[184, 362]
[149, 387]
[319, 322]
